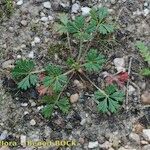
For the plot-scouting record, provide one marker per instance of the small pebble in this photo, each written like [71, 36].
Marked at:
[24, 23]
[20, 2]
[24, 104]
[44, 19]
[32, 122]
[37, 40]
[31, 55]
[47, 5]
[75, 8]
[145, 98]
[85, 11]
[93, 144]
[23, 140]
[74, 98]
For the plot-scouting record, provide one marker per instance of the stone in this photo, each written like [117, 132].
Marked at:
[37, 40]
[113, 1]
[144, 142]
[146, 12]
[93, 144]
[19, 56]
[24, 22]
[20, 2]
[24, 104]
[3, 135]
[146, 147]
[81, 140]
[74, 98]
[78, 84]
[44, 19]
[23, 139]
[47, 5]
[75, 8]
[134, 137]
[83, 121]
[138, 128]
[145, 98]
[106, 145]
[131, 89]
[85, 11]
[50, 18]
[8, 64]
[32, 122]
[31, 55]
[146, 134]
[119, 64]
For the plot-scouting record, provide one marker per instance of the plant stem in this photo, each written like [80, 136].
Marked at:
[80, 50]
[102, 91]
[69, 44]
[68, 72]
[63, 89]
[37, 71]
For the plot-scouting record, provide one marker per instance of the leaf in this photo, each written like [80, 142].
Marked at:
[77, 25]
[55, 78]
[111, 101]
[94, 61]
[50, 99]
[22, 68]
[33, 79]
[62, 27]
[110, 89]
[145, 72]
[25, 83]
[22, 72]
[102, 106]
[63, 105]
[102, 13]
[118, 96]
[106, 28]
[47, 111]
[113, 105]
[145, 51]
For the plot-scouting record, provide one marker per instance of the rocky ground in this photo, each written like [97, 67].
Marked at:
[28, 33]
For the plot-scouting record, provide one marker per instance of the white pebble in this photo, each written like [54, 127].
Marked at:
[37, 40]
[50, 18]
[19, 56]
[32, 122]
[85, 11]
[44, 19]
[93, 144]
[119, 64]
[146, 12]
[47, 5]
[20, 2]
[31, 55]
[4, 135]
[75, 8]
[131, 89]
[24, 104]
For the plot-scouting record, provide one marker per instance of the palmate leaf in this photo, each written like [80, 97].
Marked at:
[22, 68]
[99, 22]
[55, 78]
[145, 72]
[144, 50]
[62, 26]
[63, 105]
[94, 61]
[105, 28]
[110, 102]
[47, 111]
[77, 25]
[22, 73]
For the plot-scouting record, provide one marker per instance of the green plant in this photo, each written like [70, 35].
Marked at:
[145, 52]
[6, 8]
[88, 60]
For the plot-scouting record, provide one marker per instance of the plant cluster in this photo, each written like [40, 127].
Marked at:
[6, 8]
[145, 52]
[88, 60]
